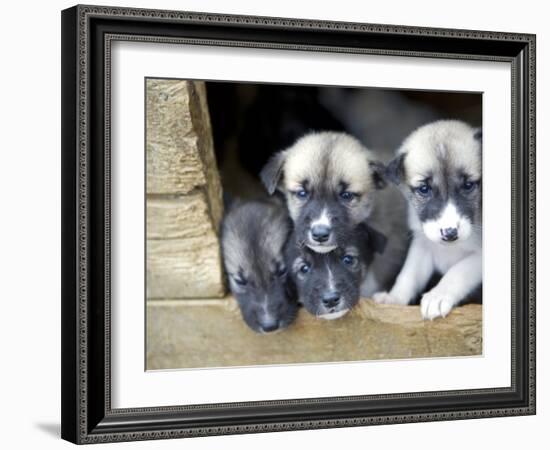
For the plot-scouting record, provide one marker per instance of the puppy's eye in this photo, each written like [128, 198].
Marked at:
[301, 194]
[468, 186]
[424, 190]
[305, 268]
[347, 196]
[348, 260]
[240, 281]
[281, 271]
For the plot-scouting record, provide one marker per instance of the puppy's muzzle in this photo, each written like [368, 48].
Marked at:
[320, 233]
[449, 234]
[331, 299]
[269, 326]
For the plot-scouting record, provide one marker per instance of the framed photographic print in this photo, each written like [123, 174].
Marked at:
[279, 224]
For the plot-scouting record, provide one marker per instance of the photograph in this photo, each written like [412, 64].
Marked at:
[291, 224]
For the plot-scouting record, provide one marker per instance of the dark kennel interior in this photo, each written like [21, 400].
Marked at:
[252, 121]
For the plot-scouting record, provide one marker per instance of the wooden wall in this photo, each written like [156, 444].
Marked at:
[184, 195]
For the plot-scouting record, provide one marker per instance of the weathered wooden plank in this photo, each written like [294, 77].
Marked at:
[179, 217]
[180, 154]
[200, 117]
[184, 196]
[211, 333]
[184, 268]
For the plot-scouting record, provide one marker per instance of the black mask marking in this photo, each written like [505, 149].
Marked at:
[329, 283]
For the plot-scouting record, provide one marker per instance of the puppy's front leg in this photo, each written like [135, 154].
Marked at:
[459, 281]
[414, 275]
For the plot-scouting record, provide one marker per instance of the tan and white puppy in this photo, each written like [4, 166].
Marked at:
[332, 183]
[438, 170]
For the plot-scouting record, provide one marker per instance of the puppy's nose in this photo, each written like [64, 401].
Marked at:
[331, 299]
[320, 233]
[268, 327]
[449, 234]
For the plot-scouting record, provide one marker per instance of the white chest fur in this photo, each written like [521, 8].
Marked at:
[444, 256]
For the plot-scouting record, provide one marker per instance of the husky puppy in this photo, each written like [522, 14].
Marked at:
[438, 169]
[332, 183]
[253, 238]
[328, 180]
[328, 284]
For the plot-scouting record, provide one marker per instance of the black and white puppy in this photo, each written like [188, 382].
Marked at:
[332, 183]
[253, 237]
[438, 170]
[329, 284]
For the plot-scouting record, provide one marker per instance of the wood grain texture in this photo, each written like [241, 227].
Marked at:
[179, 217]
[184, 268]
[211, 333]
[180, 154]
[184, 195]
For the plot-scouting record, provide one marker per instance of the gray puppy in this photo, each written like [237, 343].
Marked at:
[253, 237]
[329, 284]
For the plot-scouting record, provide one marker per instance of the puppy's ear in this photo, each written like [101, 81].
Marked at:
[378, 171]
[395, 171]
[374, 240]
[272, 172]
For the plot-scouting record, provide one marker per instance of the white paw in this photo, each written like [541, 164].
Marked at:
[436, 304]
[386, 298]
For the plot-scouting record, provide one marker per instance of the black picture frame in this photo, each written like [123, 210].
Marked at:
[87, 33]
